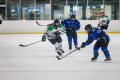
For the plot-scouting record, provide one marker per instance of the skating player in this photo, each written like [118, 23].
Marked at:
[71, 26]
[102, 41]
[53, 33]
[104, 22]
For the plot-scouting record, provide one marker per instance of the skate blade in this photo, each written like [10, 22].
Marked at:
[93, 60]
[108, 61]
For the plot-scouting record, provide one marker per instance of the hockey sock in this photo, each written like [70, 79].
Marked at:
[75, 41]
[70, 40]
[57, 47]
[60, 45]
[96, 51]
[95, 54]
[105, 51]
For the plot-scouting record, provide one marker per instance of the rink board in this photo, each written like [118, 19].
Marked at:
[42, 33]
[30, 27]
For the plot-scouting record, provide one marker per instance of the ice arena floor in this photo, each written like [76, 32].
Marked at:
[39, 62]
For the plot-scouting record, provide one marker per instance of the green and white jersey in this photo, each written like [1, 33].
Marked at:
[49, 31]
[104, 20]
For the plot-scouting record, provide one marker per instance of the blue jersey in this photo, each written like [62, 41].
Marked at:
[96, 34]
[69, 24]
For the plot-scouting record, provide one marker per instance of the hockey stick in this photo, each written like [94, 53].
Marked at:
[30, 44]
[40, 24]
[66, 55]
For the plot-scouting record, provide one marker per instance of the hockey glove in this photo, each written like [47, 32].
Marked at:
[103, 40]
[70, 28]
[108, 22]
[83, 45]
[43, 38]
[98, 25]
[104, 24]
[57, 34]
[73, 27]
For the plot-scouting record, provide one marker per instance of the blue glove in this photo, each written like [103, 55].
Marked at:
[73, 27]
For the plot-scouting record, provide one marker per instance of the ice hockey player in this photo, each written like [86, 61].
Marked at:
[0, 19]
[102, 41]
[71, 26]
[104, 22]
[53, 33]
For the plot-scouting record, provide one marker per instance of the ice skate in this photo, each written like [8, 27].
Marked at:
[93, 59]
[59, 55]
[62, 50]
[78, 48]
[70, 48]
[108, 59]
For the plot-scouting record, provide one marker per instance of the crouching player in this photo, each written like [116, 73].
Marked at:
[53, 33]
[102, 41]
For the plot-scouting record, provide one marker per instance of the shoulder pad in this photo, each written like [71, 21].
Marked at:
[60, 25]
[76, 20]
[50, 27]
[94, 30]
[100, 17]
[106, 16]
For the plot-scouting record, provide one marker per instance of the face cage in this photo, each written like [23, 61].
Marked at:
[55, 25]
[87, 31]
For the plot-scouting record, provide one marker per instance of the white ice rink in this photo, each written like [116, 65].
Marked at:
[38, 61]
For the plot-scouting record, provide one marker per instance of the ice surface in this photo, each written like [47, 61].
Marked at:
[38, 61]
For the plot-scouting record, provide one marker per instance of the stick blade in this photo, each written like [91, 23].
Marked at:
[22, 45]
[58, 57]
[36, 22]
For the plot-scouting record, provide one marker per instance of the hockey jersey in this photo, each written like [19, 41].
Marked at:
[96, 34]
[68, 24]
[104, 20]
[49, 31]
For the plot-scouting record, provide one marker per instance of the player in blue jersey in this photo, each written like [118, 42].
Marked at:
[102, 41]
[71, 26]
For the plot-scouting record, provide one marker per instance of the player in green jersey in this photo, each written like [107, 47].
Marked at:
[53, 33]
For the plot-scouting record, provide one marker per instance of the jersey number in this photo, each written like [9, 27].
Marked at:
[98, 31]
